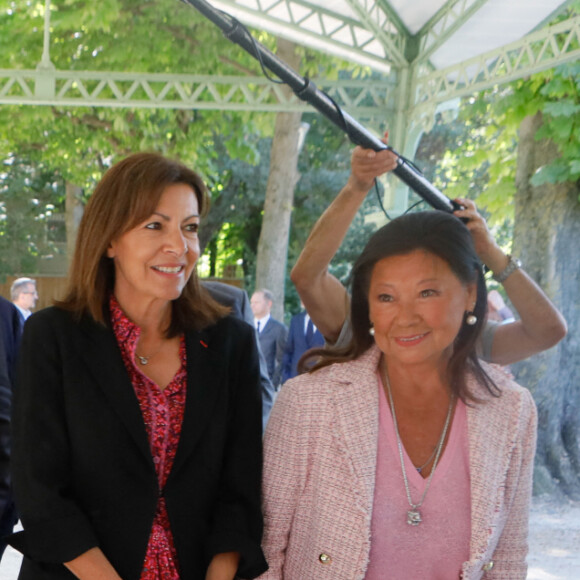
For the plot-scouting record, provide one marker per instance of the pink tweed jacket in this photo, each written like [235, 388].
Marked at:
[319, 475]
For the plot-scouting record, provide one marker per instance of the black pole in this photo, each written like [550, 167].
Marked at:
[307, 91]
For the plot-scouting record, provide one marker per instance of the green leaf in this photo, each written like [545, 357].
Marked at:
[563, 107]
[556, 172]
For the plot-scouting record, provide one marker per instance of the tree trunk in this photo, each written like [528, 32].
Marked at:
[273, 243]
[73, 213]
[547, 238]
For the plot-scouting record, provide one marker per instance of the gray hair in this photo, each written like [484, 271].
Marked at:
[267, 294]
[18, 286]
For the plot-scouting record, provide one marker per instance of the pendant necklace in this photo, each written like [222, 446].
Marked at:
[144, 360]
[414, 515]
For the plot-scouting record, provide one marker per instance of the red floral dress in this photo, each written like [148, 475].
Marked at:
[163, 415]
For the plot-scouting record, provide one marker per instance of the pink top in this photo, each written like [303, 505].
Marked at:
[163, 416]
[438, 546]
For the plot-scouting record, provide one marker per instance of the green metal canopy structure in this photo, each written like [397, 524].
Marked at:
[430, 52]
[433, 51]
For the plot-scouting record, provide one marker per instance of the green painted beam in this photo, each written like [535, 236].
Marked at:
[315, 26]
[386, 26]
[360, 98]
[533, 53]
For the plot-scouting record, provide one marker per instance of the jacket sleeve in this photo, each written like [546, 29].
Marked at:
[286, 450]
[510, 554]
[238, 522]
[56, 529]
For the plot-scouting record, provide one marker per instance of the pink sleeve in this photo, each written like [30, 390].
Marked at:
[510, 555]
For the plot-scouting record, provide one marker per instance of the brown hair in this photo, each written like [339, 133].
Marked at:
[448, 238]
[128, 194]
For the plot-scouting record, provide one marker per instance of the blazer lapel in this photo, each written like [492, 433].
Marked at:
[356, 406]
[205, 375]
[267, 329]
[98, 346]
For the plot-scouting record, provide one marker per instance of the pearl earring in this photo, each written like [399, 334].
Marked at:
[470, 319]
[372, 330]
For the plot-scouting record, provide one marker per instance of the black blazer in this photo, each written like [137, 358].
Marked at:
[83, 472]
[10, 330]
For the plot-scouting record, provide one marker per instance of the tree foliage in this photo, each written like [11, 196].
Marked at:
[483, 164]
[80, 143]
[31, 196]
[238, 197]
[117, 35]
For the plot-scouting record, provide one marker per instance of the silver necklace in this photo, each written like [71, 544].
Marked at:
[414, 515]
[420, 469]
[144, 360]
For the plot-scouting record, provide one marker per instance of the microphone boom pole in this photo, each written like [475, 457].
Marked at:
[307, 91]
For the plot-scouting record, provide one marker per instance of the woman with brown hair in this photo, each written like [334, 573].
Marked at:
[137, 415]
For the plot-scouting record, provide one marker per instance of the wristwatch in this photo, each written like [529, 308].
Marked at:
[513, 265]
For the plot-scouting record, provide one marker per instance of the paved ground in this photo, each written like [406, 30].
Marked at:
[554, 544]
[554, 541]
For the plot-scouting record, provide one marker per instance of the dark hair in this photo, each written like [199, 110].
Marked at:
[445, 236]
[128, 194]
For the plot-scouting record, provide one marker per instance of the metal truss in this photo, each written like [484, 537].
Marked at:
[416, 93]
[138, 90]
[535, 52]
[444, 24]
[378, 17]
[329, 30]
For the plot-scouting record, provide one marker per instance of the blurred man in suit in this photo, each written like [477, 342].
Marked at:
[271, 332]
[24, 296]
[302, 336]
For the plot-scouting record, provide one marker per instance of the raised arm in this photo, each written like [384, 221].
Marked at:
[541, 325]
[324, 297]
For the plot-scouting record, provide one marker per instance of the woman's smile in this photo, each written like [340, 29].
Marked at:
[408, 341]
[170, 270]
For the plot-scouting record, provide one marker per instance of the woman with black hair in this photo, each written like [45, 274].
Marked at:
[401, 455]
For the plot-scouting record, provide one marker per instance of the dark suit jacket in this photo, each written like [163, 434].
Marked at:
[83, 471]
[297, 345]
[272, 342]
[237, 300]
[10, 330]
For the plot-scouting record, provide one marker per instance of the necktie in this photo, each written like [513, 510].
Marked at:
[258, 326]
[309, 332]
